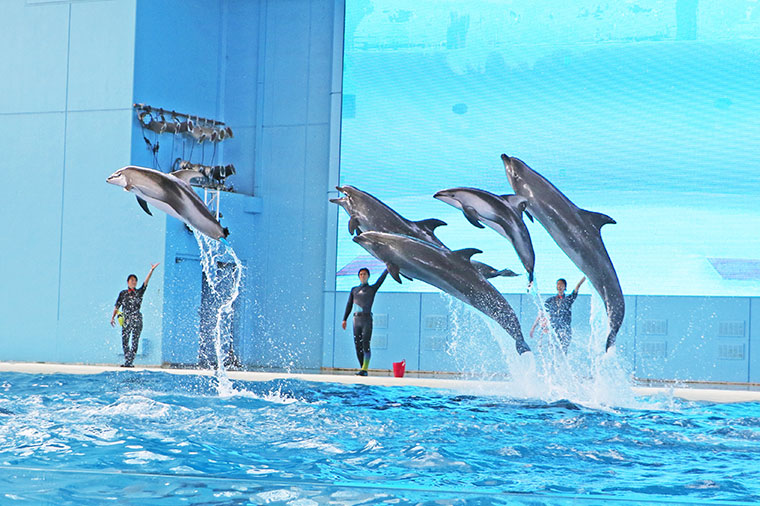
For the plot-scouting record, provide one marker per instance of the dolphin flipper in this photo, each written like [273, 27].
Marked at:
[472, 216]
[144, 205]
[393, 270]
[353, 225]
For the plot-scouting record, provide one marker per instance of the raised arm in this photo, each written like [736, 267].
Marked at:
[380, 280]
[579, 284]
[150, 273]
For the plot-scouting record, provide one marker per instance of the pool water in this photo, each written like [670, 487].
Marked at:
[158, 438]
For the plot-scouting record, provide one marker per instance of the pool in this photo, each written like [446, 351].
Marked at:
[147, 437]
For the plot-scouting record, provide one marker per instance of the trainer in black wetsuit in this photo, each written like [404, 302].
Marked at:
[560, 313]
[362, 297]
[129, 301]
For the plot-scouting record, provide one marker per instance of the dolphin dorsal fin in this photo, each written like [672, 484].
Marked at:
[597, 219]
[466, 253]
[187, 175]
[430, 224]
[517, 201]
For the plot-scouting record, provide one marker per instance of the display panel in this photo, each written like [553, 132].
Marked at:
[645, 111]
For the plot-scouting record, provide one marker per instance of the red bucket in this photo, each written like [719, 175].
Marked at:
[399, 368]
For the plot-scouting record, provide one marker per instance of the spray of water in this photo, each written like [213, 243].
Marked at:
[584, 375]
[211, 253]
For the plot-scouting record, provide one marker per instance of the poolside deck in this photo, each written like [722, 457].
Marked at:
[708, 392]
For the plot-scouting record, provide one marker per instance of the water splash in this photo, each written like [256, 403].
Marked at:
[585, 375]
[212, 253]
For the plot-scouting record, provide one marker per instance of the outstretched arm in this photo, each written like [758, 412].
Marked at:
[150, 273]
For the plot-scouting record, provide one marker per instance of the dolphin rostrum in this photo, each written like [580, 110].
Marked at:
[451, 271]
[501, 213]
[172, 194]
[367, 213]
[576, 231]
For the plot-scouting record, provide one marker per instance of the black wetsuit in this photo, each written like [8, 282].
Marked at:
[561, 316]
[129, 301]
[363, 296]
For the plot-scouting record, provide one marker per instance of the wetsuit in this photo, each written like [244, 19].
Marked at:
[363, 296]
[560, 316]
[129, 301]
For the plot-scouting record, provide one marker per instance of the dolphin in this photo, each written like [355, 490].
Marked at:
[172, 194]
[501, 213]
[367, 213]
[576, 231]
[451, 271]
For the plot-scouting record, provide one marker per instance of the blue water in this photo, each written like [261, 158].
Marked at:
[157, 438]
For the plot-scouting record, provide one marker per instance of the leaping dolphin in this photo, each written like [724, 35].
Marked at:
[369, 214]
[172, 194]
[451, 271]
[501, 213]
[576, 231]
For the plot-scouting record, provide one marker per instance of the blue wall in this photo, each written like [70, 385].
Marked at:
[662, 338]
[265, 68]
[66, 116]
[272, 71]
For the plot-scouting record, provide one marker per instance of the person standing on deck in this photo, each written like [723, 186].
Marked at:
[129, 302]
[363, 296]
[560, 313]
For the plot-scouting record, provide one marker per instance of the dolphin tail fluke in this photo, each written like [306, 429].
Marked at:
[226, 232]
[530, 277]
[521, 346]
[144, 205]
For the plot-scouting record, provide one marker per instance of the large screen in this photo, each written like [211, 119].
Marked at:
[647, 111]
